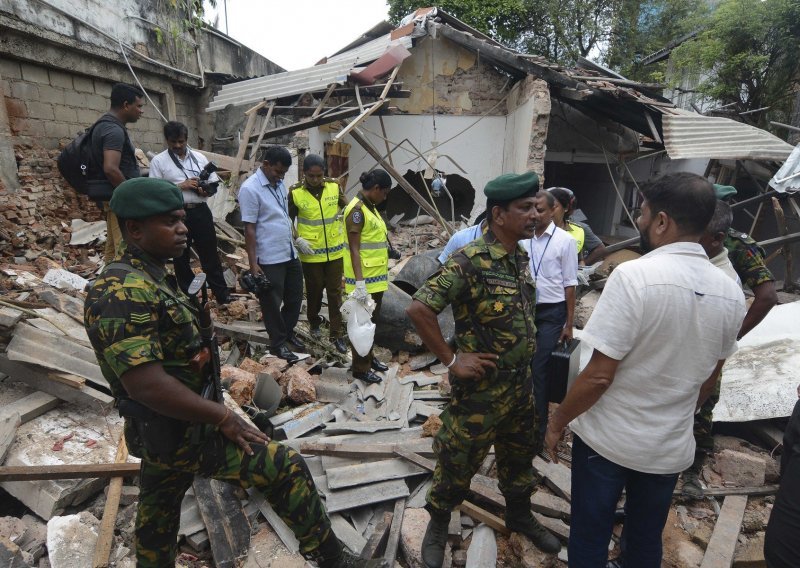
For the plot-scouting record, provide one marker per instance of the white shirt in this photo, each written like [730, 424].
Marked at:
[722, 262]
[553, 262]
[162, 166]
[668, 318]
[267, 206]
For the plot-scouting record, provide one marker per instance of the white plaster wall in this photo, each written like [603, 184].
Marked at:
[480, 150]
[518, 137]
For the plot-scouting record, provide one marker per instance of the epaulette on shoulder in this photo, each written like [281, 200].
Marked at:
[295, 185]
[358, 205]
[738, 235]
[331, 180]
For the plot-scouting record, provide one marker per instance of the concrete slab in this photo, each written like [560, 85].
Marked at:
[71, 427]
[71, 540]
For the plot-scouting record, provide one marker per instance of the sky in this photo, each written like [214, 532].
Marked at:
[302, 32]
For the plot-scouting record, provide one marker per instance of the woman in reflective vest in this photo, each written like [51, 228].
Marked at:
[590, 248]
[366, 264]
[315, 204]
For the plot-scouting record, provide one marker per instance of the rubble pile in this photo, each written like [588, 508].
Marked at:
[368, 447]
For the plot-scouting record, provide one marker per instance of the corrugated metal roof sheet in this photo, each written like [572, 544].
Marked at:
[301, 81]
[787, 179]
[692, 135]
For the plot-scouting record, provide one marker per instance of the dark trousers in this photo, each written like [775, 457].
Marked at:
[203, 238]
[781, 544]
[550, 320]
[597, 485]
[281, 305]
[363, 364]
[325, 276]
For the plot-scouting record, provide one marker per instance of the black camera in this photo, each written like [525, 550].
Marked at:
[205, 173]
[258, 284]
[394, 254]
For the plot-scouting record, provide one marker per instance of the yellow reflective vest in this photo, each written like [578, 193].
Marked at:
[374, 252]
[577, 233]
[317, 222]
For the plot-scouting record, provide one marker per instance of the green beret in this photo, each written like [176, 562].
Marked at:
[724, 191]
[142, 197]
[512, 186]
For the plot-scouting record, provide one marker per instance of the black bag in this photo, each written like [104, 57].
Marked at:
[562, 368]
[78, 166]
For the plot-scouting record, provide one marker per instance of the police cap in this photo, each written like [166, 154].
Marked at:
[142, 197]
[508, 187]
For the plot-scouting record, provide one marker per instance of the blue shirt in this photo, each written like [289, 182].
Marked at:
[267, 206]
[461, 239]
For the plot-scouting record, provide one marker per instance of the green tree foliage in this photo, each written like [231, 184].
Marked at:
[747, 55]
[560, 30]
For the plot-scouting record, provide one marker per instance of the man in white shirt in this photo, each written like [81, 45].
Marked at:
[661, 332]
[180, 165]
[462, 238]
[554, 267]
[269, 241]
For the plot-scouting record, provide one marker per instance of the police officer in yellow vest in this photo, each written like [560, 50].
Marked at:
[366, 267]
[315, 204]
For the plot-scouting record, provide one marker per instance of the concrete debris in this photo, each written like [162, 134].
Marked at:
[71, 540]
[242, 384]
[522, 553]
[431, 426]
[740, 469]
[300, 387]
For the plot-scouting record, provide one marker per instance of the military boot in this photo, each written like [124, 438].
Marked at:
[435, 539]
[520, 519]
[691, 488]
[331, 554]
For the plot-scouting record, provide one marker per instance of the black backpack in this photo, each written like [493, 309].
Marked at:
[76, 161]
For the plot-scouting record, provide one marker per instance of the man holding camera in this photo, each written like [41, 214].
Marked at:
[194, 174]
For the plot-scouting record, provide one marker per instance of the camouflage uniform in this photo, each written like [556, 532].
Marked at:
[748, 261]
[493, 299]
[132, 320]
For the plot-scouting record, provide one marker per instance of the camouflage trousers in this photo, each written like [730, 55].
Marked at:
[703, 421]
[499, 410]
[275, 470]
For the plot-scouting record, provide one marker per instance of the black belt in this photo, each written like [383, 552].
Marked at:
[193, 205]
[550, 304]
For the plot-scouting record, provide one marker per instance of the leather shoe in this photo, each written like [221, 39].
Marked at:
[284, 352]
[340, 345]
[378, 366]
[368, 377]
[295, 342]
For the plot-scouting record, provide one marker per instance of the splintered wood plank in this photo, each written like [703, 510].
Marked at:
[393, 540]
[102, 549]
[378, 537]
[278, 525]
[361, 450]
[365, 495]
[226, 523]
[720, 549]
[484, 516]
[8, 429]
[557, 476]
[31, 406]
[360, 474]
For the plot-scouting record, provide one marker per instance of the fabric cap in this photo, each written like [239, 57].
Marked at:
[142, 197]
[724, 191]
[512, 186]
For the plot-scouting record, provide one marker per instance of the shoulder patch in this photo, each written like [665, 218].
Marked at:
[357, 217]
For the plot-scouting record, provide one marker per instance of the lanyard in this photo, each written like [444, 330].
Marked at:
[279, 200]
[177, 162]
[536, 267]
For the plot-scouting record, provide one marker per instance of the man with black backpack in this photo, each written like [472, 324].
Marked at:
[113, 156]
[194, 174]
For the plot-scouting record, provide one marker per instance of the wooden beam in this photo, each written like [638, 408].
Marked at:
[484, 516]
[312, 122]
[365, 451]
[653, 128]
[263, 130]
[227, 526]
[106, 535]
[413, 193]
[786, 250]
[393, 539]
[784, 240]
[68, 471]
[378, 537]
[358, 120]
[8, 431]
[720, 549]
[243, 143]
[324, 100]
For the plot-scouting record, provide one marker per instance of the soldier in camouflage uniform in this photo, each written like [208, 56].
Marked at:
[489, 286]
[145, 331]
[747, 259]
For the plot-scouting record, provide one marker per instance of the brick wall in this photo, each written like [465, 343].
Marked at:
[48, 107]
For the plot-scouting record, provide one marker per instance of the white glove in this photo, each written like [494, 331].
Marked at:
[360, 294]
[303, 246]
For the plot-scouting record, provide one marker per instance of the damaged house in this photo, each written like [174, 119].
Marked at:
[444, 109]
